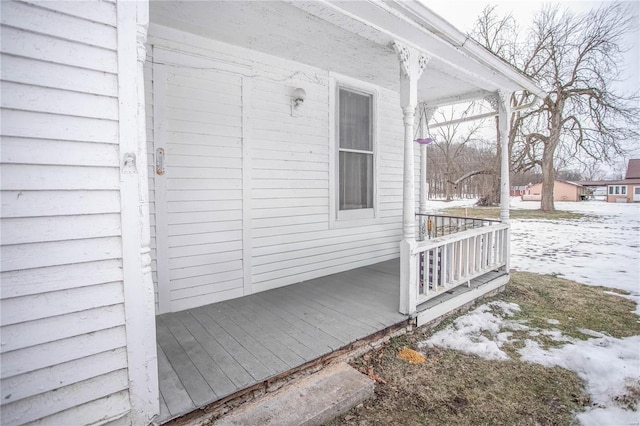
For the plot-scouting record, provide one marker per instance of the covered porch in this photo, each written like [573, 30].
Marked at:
[230, 348]
[248, 215]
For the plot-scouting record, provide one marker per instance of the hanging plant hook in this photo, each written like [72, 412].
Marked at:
[425, 140]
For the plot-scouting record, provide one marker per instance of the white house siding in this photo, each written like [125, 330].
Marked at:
[284, 231]
[63, 351]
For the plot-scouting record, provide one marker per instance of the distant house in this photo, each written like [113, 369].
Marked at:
[562, 191]
[626, 190]
[518, 191]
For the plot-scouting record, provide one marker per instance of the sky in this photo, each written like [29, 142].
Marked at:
[463, 14]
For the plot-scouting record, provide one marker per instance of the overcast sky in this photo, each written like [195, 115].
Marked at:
[463, 14]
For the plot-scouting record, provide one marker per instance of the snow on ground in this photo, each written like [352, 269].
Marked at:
[597, 251]
[602, 250]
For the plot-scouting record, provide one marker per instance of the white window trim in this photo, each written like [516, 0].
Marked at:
[621, 188]
[359, 217]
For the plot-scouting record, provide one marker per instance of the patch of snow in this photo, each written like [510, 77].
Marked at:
[515, 326]
[606, 364]
[553, 321]
[439, 204]
[465, 333]
[556, 335]
[608, 416]
[591, 332]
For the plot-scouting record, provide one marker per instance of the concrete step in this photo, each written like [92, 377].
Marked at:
[309, 401]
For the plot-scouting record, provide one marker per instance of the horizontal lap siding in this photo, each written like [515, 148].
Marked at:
[61, 301]
[291, 238]
[204, 185]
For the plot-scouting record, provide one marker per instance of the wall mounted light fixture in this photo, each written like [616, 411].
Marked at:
[299, 95]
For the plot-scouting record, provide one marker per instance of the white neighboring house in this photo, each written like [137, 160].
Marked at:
[154, 168]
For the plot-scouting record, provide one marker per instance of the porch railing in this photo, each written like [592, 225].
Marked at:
[433, 226]
[456, 258]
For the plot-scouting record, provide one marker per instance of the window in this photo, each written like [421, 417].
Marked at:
[355, 150]
[618, 190]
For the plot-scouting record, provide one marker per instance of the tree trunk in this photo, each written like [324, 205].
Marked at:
[548, 154]
[548, 178]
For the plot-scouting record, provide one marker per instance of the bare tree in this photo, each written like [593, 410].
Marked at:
[592, 171]
[451, 146]
[575, 58]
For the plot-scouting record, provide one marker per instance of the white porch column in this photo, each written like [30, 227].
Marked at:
[139, 304]
[426, 113]
[504, 114]
[412, 63]
[423, 163]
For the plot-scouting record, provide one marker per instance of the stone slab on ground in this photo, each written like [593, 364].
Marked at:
[310, 401]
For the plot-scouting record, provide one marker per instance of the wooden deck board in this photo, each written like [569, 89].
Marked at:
[196, 386]
[315, 339]
[249, 362]
[355, 300]
[232, 368]
[247, 339]
[164, 410]
[177, 399]
[208, 368]
[346, 302]
[250, 339]
[341, 323]
[285, 347]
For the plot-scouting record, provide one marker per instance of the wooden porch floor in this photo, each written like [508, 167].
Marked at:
[213, 351]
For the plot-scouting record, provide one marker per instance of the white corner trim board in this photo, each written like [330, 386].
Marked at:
[132, 18]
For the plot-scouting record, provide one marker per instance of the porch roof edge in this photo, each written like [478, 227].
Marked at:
[440, 27]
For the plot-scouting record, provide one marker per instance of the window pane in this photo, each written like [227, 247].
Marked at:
[611, 190]
[356, 181]
[355, 121]
[624, 190]
[617, 190]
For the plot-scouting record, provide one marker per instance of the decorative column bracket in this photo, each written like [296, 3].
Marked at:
[429, 112]
[412, 64]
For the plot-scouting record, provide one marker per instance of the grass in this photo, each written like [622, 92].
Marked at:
[575, 306]
[494, 213]
[455, 388]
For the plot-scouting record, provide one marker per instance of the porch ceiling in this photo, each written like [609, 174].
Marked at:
[335, 37]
